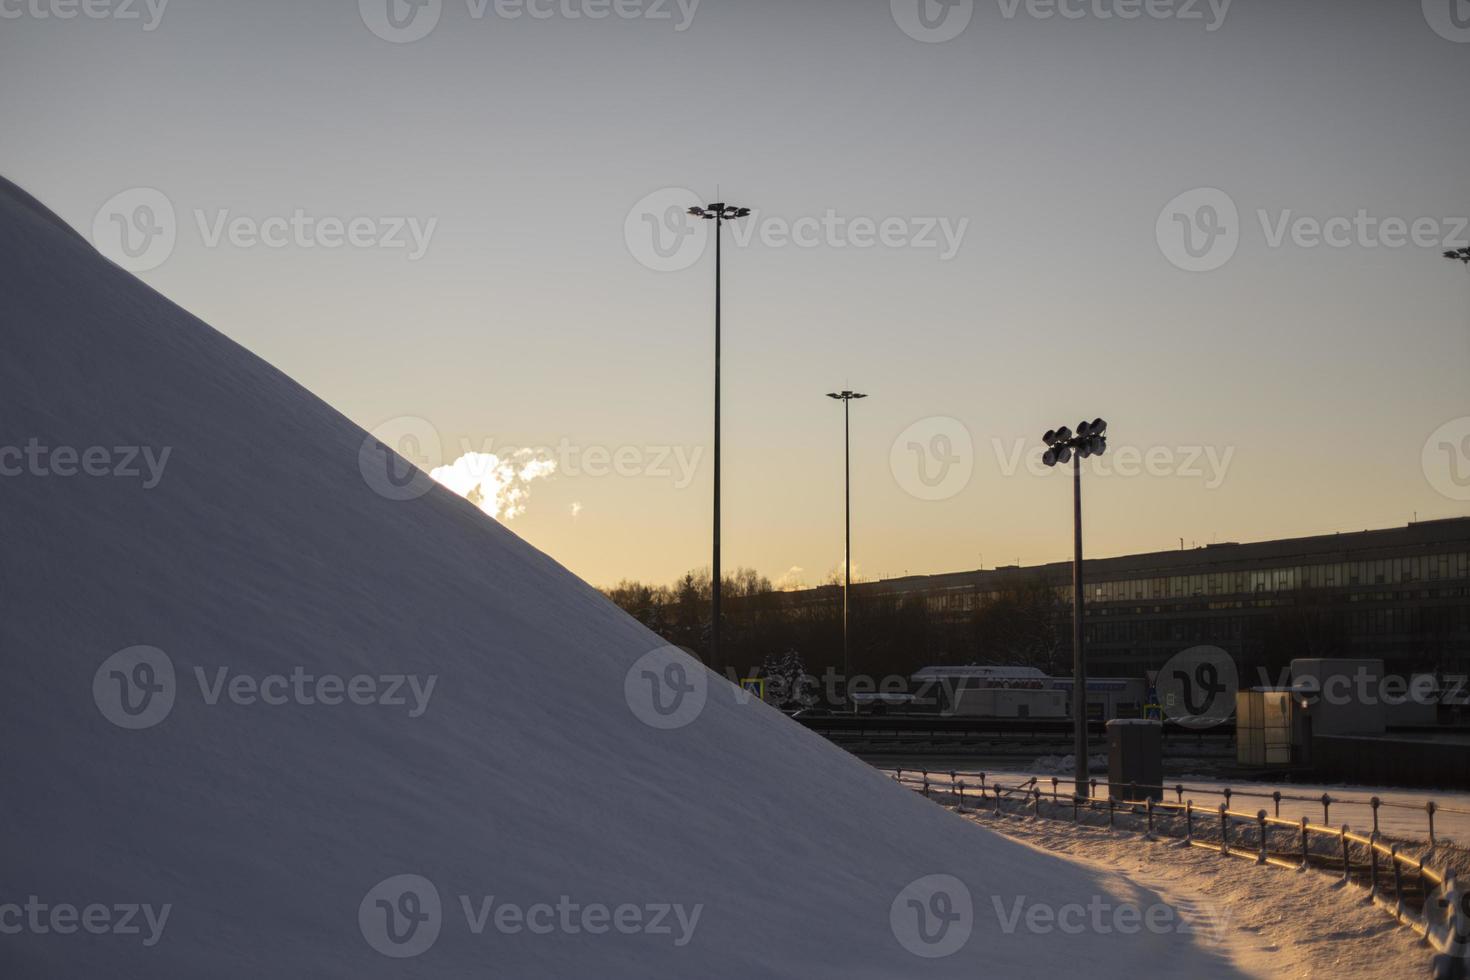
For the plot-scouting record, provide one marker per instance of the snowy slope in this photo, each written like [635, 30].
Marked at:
[528, 776]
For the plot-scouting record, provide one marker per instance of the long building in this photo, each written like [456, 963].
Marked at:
[1401, 594]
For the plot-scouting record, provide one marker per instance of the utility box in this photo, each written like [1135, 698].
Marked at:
[1270, 730]
[1135, 759]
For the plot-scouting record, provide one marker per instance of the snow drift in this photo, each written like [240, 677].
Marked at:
[302, 729]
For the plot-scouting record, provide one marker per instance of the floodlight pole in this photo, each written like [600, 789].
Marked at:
[846, 397]
[718, 212]
[1063, 445]
[714, 582]
[1079, 663]
[846, 538]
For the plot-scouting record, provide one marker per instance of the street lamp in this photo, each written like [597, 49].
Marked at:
[846, 397]
[719, 213]
[1062, 445]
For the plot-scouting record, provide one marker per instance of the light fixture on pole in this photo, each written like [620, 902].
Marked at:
[719, 213]
[846, 397]
[1063, 446]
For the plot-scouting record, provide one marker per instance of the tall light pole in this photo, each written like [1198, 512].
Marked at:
[1062, 445]
[719, 213]
[846, 397]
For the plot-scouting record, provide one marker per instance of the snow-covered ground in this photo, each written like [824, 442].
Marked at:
[278, 708]
[1268, 922]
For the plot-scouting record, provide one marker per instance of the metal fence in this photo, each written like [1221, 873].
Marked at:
[1414, 884]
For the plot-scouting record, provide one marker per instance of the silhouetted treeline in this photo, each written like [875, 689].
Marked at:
[891, 635]
[1027, 623]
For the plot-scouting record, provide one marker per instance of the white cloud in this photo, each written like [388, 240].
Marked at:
[498, 485]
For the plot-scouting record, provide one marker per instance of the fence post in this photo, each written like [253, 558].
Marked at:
[960, 788]
[1226, 792]
[951, 781]
[1326, 804]
[1054, 789]
[898, 774]
[1092, 790]
[1373, 865]
[1398, 879]
[1261, 822]
[1430, 808]
[1346, 866]
[1304, 843]
[1224, 830]
[1179, 792]
[982, 784]
[1189, 822]
[1036, 802]
[997, 799]
[1276, 796]
[1375, 802]
[926, 783]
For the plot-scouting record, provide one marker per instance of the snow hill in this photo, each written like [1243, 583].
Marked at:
[274, 826]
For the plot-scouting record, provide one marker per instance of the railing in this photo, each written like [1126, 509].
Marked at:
[1420, 895]
[1326, 801]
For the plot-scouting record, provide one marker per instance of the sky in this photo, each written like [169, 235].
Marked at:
[1219, 227]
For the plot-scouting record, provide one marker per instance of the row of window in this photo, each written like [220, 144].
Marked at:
[1426, 623]
[1385, 571]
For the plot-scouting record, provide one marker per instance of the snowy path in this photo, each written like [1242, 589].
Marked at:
[1268, 922]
